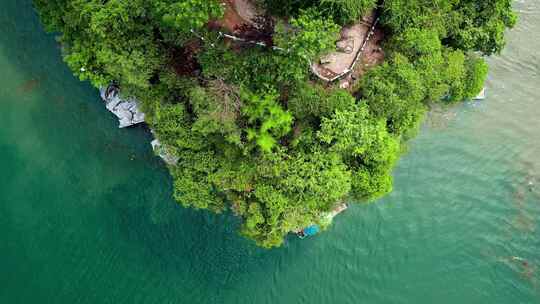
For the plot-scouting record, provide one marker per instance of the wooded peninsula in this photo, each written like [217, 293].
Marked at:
[281, 110]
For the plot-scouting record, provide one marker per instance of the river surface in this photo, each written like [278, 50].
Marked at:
[86, 214]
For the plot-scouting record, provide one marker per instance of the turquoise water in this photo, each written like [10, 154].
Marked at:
[86, 214]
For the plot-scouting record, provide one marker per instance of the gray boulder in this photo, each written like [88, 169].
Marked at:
[127, 110]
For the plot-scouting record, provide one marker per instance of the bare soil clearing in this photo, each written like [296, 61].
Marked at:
[337, 62]
[237, 14]
[373, 54]
[348, 48]
[246, 10]
[349, 58]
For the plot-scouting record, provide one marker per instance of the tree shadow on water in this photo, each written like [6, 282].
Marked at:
[198, 248]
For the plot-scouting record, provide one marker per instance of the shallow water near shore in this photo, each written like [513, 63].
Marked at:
[86, 214]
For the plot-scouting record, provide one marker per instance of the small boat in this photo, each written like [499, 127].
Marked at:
[308, 231]
[328, 217]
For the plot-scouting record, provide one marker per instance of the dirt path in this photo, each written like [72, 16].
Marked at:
[373, 54]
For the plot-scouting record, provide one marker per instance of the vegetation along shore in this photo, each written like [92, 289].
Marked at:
[281, 110]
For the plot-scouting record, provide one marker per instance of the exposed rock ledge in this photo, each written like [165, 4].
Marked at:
[163, 152]
[129, 114]
[127, 110]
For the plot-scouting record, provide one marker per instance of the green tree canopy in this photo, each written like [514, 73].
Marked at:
[253, 130]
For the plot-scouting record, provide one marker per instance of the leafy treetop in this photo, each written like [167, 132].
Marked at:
[254, 133]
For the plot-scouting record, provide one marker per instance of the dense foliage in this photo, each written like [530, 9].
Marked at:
[254, 132]
[341, 11]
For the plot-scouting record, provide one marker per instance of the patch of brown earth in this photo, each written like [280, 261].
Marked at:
[247, 10]
[349, 48]
[372, 56]
[340, 61]
[232, 20]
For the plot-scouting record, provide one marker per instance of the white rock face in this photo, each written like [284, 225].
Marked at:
[129, 114]
[164, 153]
[127, 110]
[481, 95]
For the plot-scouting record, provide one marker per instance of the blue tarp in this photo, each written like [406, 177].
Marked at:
[311, 230]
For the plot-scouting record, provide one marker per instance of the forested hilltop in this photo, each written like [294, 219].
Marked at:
[255, 130]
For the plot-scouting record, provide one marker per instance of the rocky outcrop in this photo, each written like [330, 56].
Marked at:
[129, 114]
[481, 95]
[127, 110]
[164, 152]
